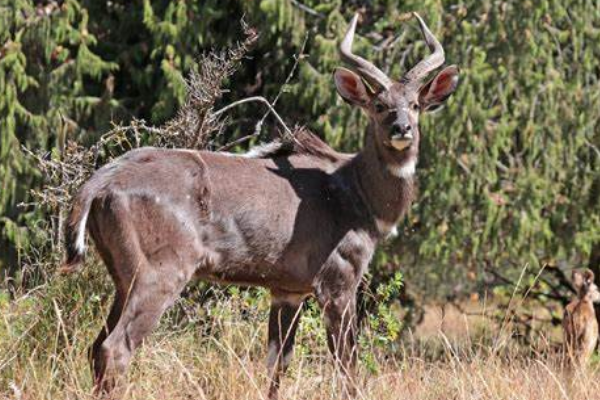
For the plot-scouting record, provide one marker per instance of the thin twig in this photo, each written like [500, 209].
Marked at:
[591, 146]
[307, 9]
[258, 99]
[230, 145]
[297, 58]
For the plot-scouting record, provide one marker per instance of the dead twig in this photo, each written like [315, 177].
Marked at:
[297, 58]
[259, 99]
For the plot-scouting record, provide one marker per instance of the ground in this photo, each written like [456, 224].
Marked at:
[44, 337]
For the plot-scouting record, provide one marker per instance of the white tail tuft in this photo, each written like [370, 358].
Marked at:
[80, 242]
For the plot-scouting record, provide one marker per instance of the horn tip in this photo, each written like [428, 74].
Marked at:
[418, 17]
[354, 21]
[349, 36]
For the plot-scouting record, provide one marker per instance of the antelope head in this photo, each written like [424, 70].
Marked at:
[394, 106]
[583, 281]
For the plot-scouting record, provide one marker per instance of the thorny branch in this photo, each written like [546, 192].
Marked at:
[297, 58]
[196, 122]
[270, 105]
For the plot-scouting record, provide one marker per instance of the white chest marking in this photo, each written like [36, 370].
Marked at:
[390, 230]
[406, 170]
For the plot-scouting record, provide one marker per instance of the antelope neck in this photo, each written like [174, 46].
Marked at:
[386, 194]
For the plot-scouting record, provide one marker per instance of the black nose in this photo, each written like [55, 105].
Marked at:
[399, 129]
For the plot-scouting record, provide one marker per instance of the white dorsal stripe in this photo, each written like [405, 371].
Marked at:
[262, 150]
[259, 151]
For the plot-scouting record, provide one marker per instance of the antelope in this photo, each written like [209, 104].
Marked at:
[301, 220]
[580, 327]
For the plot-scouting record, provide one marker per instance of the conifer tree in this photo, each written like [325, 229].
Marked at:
[508, 173]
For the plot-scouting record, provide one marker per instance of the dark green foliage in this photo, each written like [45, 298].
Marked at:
[508, 170]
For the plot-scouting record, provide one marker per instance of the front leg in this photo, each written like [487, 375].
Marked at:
[336, 292]
[283, 323]
[340, 322]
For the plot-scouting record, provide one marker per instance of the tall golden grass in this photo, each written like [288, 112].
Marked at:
[44, 336]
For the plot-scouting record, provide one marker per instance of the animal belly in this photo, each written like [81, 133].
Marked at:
[247, 253]
[262, 274]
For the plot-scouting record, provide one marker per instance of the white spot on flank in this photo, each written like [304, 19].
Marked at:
[157, 199]
[80, 242]
[406, 170]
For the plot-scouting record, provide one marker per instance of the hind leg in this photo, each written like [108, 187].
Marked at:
[109, 326]
[151, 294]
[283, 323]
[336, 294]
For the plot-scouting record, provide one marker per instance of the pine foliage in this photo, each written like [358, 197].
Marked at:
[508, 170]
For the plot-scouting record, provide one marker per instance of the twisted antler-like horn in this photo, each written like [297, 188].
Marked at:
[430, 63]
[366, 69]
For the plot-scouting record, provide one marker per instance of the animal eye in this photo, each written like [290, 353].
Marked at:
[415, 107]
[379, 108]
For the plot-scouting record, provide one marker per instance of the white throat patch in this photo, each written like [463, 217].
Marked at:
[406, 170]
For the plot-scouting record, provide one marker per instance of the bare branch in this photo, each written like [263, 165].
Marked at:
[307, 9]
[297, 58]
[259, 99]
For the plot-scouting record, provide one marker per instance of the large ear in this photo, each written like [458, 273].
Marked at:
[433, 94]
[588, 276]
[351, 87]
[578, 280]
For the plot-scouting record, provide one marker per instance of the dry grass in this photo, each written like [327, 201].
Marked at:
[43, 356]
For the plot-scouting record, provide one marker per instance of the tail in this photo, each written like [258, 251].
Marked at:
[76, 227]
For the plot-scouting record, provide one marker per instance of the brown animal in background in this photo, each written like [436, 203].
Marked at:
[300, 221]
[579, 322]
